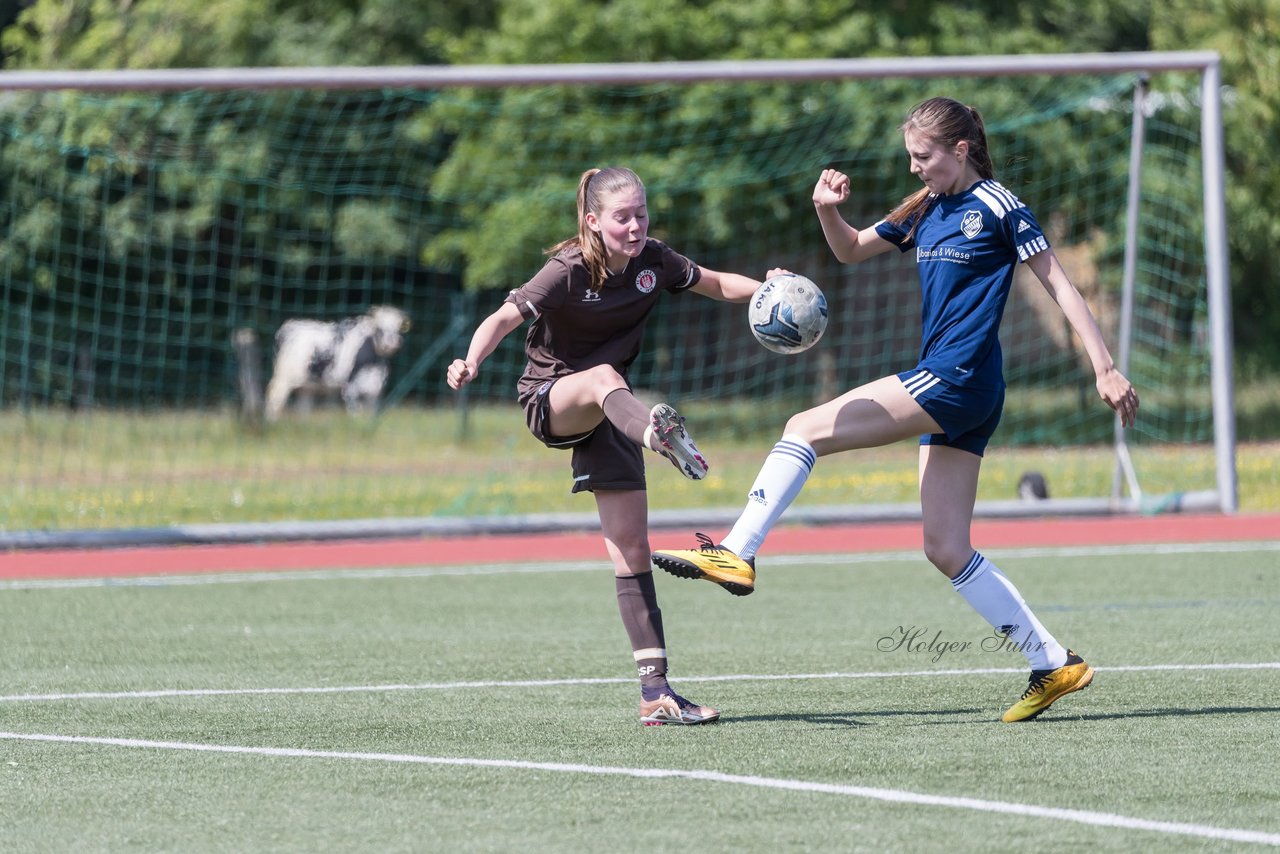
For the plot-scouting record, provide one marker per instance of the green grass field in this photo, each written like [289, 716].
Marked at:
[105, 470]
[493, 709]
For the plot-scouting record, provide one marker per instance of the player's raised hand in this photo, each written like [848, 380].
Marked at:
[460, 373]
[832, 188]
[1120, 395]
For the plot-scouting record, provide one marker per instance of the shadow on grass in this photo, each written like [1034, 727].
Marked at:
[952, 717]
[859, 718]
[1161, 713]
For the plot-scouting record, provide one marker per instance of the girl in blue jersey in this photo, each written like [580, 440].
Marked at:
[968, 233]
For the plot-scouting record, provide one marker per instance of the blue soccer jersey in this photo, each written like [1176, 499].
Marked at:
[967, 246]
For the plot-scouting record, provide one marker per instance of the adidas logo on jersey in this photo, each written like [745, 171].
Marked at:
[758, 497]
[1023, 225]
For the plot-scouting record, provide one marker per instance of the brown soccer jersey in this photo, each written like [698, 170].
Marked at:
[575, 328]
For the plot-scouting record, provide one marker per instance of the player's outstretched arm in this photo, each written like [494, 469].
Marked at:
[1113, 387]
[484, 341]
[850, 245]
[730, 287]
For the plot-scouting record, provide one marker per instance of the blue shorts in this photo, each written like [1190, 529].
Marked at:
[967, 416]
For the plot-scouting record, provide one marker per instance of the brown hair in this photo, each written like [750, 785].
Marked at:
[946, 122]
[592, 187]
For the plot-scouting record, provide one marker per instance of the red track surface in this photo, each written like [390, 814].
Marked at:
[424, 551]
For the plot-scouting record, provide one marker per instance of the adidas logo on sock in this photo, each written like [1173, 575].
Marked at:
[758, 497]
[1022, 226]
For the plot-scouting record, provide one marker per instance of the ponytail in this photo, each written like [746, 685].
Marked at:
[946, 122]
[592, 187]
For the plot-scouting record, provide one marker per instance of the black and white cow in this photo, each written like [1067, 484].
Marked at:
[349, 357]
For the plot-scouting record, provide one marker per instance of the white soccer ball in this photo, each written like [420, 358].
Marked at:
[788, 314]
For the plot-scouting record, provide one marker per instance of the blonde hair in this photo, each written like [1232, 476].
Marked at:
[946, 122]
[594, 185]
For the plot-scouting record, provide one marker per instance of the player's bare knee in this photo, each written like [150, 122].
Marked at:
[802, 424]
[632, 560]
[947, 555]
[604, 379]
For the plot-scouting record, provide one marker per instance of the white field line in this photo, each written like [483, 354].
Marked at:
[533, 567]
[561, 683]
[901, 796]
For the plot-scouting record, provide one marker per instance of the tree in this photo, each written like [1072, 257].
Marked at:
[1246, 33]
[494, 173]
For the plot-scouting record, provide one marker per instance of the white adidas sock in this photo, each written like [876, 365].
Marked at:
[648, 443]
[994, 597]
[779, 482]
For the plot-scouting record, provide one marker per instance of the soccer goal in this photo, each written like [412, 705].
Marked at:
[160, 227]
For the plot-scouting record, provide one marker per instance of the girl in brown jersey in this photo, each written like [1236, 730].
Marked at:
[588, 306]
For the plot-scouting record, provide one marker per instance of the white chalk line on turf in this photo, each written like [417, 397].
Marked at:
[535, 567]
[901, 796]
[561, 683]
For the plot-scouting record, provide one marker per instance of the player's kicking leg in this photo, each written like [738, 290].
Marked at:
[710, 561]
[672, 440]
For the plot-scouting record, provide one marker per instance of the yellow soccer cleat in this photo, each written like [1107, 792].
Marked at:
[674, 709]
[710, 561]
[1046, 686]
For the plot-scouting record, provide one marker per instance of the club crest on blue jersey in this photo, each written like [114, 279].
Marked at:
[971, 225]
[646, 281]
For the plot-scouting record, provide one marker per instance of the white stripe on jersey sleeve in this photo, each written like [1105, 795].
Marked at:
[1032, 247]
[996, 197]
[1000, 190]
[997, 206]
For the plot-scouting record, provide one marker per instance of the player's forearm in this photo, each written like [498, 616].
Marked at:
[1073, 306]
[1077, 312]
[488, 336]
[726, 287]
[735, 287]
[840, 236]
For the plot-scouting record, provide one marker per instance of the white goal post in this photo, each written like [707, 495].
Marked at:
[1126, 494]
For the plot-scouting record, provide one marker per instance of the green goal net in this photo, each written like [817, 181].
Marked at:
[155, 238]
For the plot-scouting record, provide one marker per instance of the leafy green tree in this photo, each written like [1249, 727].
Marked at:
[101, 34]
[1246, 33]
[493, 175]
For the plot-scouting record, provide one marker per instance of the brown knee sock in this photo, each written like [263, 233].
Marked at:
[638, 603]
[628, 414]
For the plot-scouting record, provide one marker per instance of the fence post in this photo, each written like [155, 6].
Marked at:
[82, 396]
[249, 361]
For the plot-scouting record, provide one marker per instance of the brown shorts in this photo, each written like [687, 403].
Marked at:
[603, 458]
